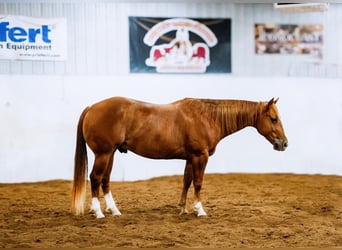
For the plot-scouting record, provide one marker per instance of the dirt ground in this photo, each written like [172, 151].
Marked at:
[244, 210]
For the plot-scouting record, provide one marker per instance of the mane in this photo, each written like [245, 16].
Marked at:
[233, 115]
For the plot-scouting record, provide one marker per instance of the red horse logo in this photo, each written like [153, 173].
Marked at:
[180, 55]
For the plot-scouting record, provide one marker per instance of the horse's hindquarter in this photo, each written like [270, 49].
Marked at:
[103, 125]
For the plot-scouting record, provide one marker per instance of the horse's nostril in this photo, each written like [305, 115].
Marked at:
[285, 144]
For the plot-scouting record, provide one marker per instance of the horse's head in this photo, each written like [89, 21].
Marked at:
[269, 125]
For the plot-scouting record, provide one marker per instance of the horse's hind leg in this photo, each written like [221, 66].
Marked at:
[187, 179]
[96, 178]
[110, 203]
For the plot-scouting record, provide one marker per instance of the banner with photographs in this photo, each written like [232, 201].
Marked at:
[33, 38]
[306, 39]
[179, 45]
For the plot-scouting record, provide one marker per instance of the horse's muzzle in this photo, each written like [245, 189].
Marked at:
[280, 144]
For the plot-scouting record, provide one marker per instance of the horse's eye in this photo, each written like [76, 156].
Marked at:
[274, 120]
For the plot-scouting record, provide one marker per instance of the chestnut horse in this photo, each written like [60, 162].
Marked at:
[187, 129]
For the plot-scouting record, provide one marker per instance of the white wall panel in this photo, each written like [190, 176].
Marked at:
[40, 114]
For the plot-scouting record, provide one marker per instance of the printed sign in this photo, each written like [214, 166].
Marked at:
[179, 45]
[289, 39]
[31, 38]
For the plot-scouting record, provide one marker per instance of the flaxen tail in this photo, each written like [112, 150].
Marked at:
[80, 171]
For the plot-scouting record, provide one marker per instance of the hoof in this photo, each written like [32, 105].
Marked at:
[183, 211]
[113, 211]
[99, 214]
[201, 214]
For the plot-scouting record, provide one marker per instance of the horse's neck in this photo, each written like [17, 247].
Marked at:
[229, 116]
[237, 115]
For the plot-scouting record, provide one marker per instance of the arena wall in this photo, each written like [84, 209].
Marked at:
[41, 101]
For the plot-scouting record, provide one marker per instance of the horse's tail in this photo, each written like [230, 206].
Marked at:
[80, 171]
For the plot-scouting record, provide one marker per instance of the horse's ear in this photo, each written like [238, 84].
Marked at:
[275, 101]
[270, 102]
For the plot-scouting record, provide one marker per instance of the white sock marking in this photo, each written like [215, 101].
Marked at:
[111, 206]
[96, 207]
[200, 211]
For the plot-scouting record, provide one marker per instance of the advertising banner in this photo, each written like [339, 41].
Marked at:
[179, 45]
[33, 38]
[289, 39]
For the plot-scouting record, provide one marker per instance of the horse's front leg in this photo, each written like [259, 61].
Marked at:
[198, 166]
[110, 203]
[187, 179]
